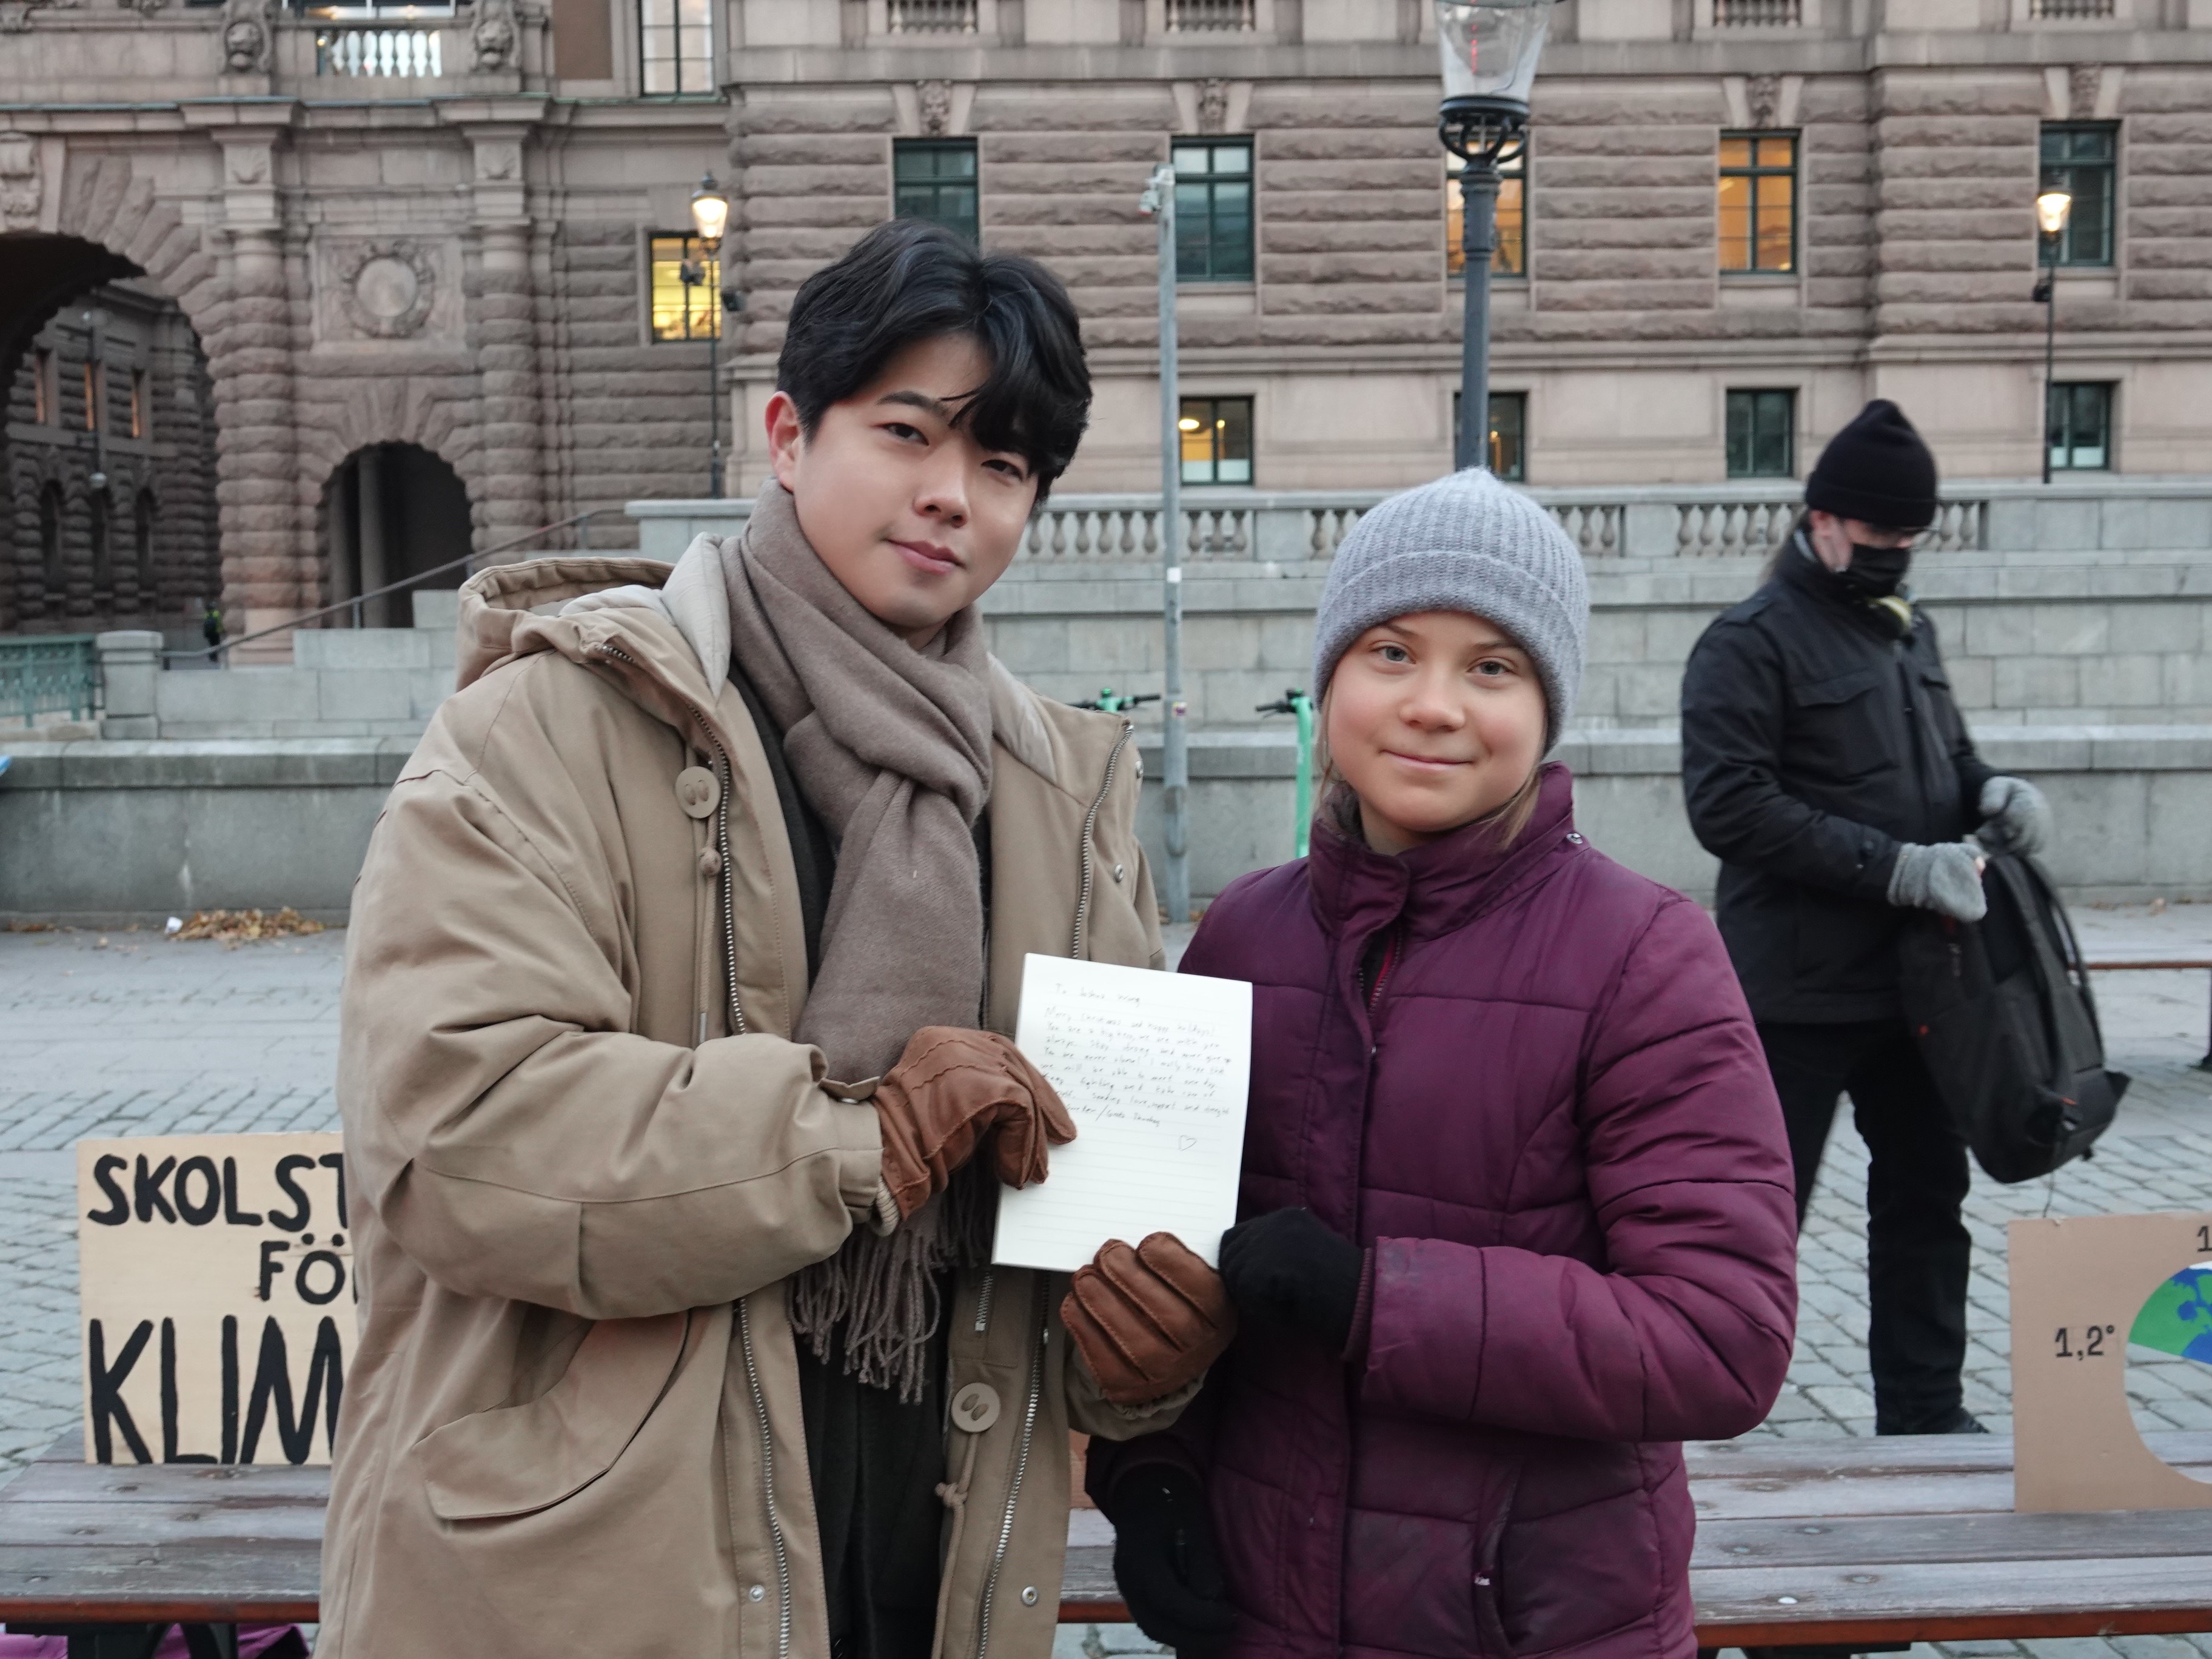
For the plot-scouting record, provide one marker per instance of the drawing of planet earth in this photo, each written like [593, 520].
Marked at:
[2177, 1318]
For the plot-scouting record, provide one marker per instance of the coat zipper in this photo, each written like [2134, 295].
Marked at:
[1014, 1490]
[767, 1483]
[1089, 824]
[1382, 969]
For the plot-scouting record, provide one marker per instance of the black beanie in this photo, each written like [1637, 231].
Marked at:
[1877, 470]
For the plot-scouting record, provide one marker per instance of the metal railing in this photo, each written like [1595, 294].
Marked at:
[1758, 14]
[403, 53]
[2072, 9]
[357, 606]
[933, 16]
[48, 674]
[1189, 15]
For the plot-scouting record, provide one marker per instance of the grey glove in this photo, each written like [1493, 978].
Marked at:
[1945, 878]
[2016, 818]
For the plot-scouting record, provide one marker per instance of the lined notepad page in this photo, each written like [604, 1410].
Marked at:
[1154, 1069]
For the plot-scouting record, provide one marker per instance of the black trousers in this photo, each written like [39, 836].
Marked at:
[1918, 1248]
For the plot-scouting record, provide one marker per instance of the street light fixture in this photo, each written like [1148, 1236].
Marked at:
[710, 217]
[1490, 50]
[2052, 208]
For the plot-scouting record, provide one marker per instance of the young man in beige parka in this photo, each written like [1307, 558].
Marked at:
[674, 1070]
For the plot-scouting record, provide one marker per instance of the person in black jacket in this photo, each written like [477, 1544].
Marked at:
[1824, 763]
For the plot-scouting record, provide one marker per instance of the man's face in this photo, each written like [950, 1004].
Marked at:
[1833, 537]
[912, 514]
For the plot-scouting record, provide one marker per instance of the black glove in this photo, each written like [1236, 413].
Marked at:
[1286, 1267]
[1165, 1562]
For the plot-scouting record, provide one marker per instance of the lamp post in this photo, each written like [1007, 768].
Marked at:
[1158, 203]
[1490, 50]
[710, 217]
[2051, 209]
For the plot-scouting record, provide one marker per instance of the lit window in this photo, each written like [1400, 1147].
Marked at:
[1213, 211]
[1762, 434]
[1759, 202]
[2083, 161]
[137, 403]
[1511, 257]
[91, 398]
[934, 178]
[1217, 440]
[681, 310]
[676, 45]
[1508, 435]
[42, 386]
[2082, 426]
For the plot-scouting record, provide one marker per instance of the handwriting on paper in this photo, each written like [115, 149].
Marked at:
[1154, 1069]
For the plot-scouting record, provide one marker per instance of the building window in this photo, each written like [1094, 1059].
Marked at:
[1759, 202]
[42, 386]
[91, 397]
[50, 535]
[138, 402]
[934, 178]
[1511, 257]
[1762, 434]
[2083, 161]
[1508, 435]
[1217, 440]
[1214, 212]
[143, 527]
[2081, 429]
[681, 310]
[676, 45]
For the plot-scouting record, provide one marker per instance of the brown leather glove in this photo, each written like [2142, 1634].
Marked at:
[1147, 1320]
[950, 1089]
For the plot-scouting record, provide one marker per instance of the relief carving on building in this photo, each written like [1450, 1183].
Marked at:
[246, 37]
[2083, 82]
[386, 288]
[1763, 93]
[936, 98]
[1213, 105]
[22, 182]
[496, 38]
[16, 15]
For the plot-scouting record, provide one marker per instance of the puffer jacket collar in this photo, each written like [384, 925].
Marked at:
[1441, 887]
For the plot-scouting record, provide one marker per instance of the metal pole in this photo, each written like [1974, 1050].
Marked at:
[2049, 345]
[1478, 240]
[1175, 724]
[715, 399]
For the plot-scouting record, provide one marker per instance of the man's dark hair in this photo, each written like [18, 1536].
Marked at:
[910, 280]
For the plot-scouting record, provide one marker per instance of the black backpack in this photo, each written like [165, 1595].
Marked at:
[2007, 1026]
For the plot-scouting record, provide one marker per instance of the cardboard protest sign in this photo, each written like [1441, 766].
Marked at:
[2084, 1291]
[216, 1293]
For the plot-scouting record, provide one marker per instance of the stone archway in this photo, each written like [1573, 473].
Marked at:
[391, 511]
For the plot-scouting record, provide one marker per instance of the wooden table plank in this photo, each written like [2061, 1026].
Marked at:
[66, 1526]
[1762, 1458]
[1881, 1540]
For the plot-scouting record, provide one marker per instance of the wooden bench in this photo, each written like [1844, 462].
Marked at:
[1854, 1543]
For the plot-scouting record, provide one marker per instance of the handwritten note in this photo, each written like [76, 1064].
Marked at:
[1154, 1069]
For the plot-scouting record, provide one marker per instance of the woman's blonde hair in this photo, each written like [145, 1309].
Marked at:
[1507, 822]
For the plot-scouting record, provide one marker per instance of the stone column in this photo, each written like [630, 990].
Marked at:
[509, 489]
[130, 663]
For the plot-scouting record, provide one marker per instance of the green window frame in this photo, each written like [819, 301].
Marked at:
[681, 310]
[1758, 203]
[1217, 440]
[938, 180]
[1213, 209]
[1510, 256]
[2079, 426]
[676, 47]
[1762, 433]
[2083, 160]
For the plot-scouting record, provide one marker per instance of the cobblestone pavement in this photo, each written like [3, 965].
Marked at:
[130, 1034]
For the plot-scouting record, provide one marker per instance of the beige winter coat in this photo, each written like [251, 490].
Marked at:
[573, 1424]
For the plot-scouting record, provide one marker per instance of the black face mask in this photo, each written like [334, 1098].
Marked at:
[1876, 572]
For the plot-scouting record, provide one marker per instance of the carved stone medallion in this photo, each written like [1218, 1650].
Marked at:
[387, 288]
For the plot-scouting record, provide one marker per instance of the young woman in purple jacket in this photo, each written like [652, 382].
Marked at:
[1517, 1213]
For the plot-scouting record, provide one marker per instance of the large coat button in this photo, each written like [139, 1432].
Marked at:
[700, 791]
[976, 1408]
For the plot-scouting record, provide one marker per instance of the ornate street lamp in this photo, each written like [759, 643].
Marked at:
[710, 217]
[2052, 210]
[1490, 51]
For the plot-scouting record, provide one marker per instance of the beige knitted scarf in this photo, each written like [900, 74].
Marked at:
[891, 746]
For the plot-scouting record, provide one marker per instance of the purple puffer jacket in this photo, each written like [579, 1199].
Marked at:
[1551, 1126]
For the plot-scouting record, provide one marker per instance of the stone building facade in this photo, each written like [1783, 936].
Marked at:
[452, 239]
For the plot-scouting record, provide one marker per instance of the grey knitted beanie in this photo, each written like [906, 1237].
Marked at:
[1465, 542]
